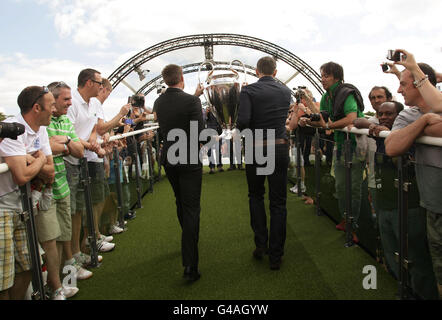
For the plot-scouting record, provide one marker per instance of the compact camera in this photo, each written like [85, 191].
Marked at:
[384, 67]
[299, 93]
[395, 55]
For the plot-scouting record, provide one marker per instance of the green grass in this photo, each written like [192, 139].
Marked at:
[146, 263]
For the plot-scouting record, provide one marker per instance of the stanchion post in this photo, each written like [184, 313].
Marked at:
[136, 158]
[158, 154]
[85, 180]
[298, 163]
[318, 162]
[403, 185]
[119, 188]
[348, 191]
[27, 217]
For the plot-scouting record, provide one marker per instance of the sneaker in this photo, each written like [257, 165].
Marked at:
[295, 189]
[104, 246]
[81, 274]
[58, 295]
[106, 238]
[115, 230]
[84, 259]
[70, 291]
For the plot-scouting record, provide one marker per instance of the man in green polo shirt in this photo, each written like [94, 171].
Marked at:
[64, 141]
[342, 105]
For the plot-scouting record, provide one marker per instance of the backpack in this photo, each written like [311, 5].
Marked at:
[340, 95]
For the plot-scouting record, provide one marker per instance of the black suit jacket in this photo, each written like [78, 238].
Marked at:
[264, 105]
[175, 110]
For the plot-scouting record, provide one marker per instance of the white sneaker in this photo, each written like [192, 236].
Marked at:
[104, 246]
[295, 188]
[58, 295]
[106, 238]
[81, 274]
[85, 259]
[115, 230]
[69, 292]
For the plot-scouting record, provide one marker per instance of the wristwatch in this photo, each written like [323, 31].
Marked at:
[67, 141]
[326, 126]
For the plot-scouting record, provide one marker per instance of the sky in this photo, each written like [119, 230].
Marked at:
[53, 40]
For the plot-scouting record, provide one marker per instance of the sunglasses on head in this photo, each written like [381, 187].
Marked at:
[42, 93]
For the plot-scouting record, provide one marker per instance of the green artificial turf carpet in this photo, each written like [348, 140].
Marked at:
[146, 263]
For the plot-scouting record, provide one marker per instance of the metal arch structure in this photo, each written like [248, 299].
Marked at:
[208, 41]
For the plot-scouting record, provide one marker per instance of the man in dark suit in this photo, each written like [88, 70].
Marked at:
[265, 105]
[182, 112]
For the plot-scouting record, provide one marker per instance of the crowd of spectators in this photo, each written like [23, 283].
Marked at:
[62, 126]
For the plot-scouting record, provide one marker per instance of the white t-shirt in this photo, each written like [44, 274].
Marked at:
[27, 143]
[98, 107]
[84, 117]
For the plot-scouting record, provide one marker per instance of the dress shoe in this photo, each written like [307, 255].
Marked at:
[212, 171]
[275, 265]
[191, 273]
[240, 167]
[220, 169]
[232, 168]
[259, 253]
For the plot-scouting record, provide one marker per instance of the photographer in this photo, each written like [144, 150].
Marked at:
[344, 103]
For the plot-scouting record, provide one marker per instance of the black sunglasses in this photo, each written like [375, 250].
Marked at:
[100, 83]
[45, 90]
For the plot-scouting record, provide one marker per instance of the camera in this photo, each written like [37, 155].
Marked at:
[395, 55]
[317, 116]
[299, 93]
[11, 130]
[384, 67]
[137, 101]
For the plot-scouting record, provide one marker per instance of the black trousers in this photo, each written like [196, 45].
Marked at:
[186, 184]
[278, 210]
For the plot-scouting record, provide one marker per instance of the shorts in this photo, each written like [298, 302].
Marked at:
[47, 224]
[14, 250]
[63, 209]
[77, 192]
[96, 173]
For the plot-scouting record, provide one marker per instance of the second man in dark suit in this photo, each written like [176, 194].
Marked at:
[178, 111]
[265, 105]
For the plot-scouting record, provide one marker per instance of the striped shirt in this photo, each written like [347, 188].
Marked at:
[61, 126]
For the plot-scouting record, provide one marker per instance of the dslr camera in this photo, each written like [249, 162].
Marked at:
[317, 116]
[299, 93]
[11, 130]
[137, 101]
[393, 55]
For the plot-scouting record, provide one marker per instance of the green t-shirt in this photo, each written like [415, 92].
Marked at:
[350, 105]
[61, 126]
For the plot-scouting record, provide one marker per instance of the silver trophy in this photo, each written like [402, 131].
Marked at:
[222, 94]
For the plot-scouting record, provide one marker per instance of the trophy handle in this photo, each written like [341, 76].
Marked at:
[210, 73]
[244, 68]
